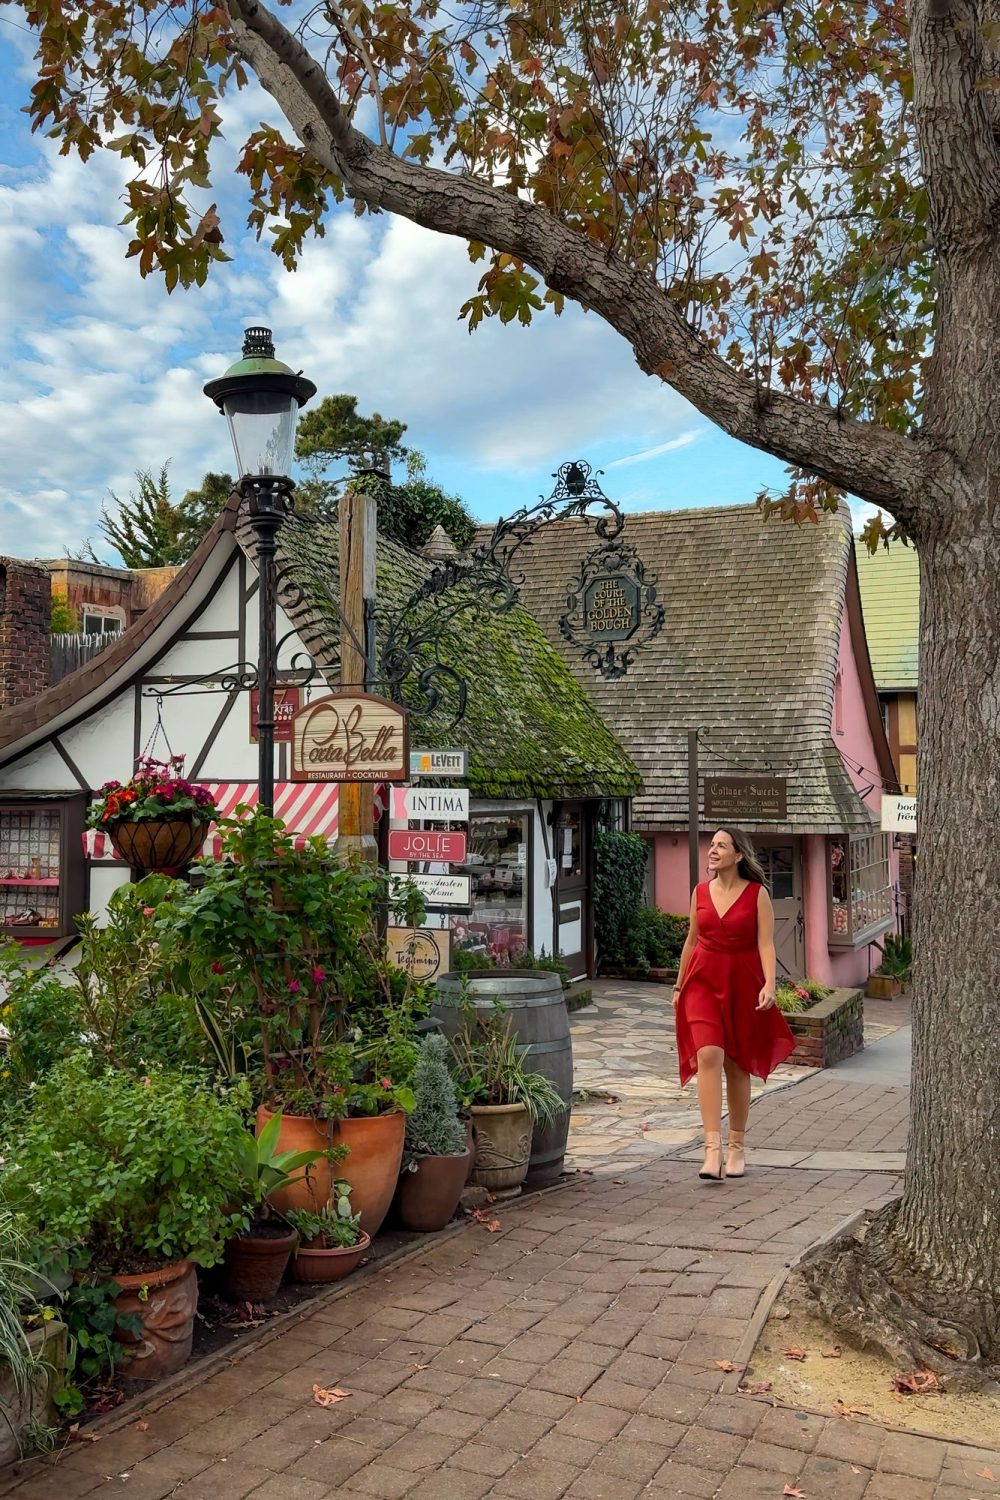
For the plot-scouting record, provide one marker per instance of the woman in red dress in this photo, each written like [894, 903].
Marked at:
[727, 1020]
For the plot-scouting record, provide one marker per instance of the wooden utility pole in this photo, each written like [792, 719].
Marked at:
[694, 809]
[357, 511]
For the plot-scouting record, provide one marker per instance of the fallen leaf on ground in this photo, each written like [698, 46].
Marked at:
[76, 1435]
[727, 1365]
[760, 1389]
[834, 1353]
[917, 1384]
[795, 1353]
[843, 1410]
[618, 1181]
[791, 1490]
[855, 1469]
[482, 1216]
[142, 1426]
[987, 1474]
[328, 1398]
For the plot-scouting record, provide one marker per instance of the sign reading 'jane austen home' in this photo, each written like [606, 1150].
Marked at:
[438, 890]
[612, 608]
[745, 797]
[439, 804]
[350, 737]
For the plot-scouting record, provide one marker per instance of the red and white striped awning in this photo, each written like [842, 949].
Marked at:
[307, 808]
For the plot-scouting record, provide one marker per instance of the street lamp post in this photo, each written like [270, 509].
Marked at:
[260, 399]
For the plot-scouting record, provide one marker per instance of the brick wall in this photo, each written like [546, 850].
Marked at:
[25, 609]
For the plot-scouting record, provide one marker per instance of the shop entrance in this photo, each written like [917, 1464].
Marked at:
[782, 862]
[574, 925]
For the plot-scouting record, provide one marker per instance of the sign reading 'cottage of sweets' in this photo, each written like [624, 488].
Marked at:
[350, 737]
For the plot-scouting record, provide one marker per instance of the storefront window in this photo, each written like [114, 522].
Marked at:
[861, 904]
[612, 815]
[498, 864]
[41, 868]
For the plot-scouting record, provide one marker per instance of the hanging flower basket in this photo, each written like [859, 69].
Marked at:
[157, 820]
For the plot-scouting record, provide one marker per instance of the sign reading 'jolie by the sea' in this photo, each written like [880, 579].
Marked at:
[350, 737]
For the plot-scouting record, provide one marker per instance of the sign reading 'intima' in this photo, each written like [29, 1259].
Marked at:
[350, 737]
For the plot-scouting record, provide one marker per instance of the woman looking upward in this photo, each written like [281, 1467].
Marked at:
[724, 1006]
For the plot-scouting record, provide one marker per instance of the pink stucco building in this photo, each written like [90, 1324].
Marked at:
[763, 652]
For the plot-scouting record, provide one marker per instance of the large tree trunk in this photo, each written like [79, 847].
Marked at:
[923, 1283]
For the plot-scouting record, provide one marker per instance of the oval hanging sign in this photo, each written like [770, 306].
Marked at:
[350, 737]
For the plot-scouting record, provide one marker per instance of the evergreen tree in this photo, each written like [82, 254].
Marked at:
[146, 532]
[433, 1127]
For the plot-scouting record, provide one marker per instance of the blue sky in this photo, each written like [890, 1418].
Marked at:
[101, 372]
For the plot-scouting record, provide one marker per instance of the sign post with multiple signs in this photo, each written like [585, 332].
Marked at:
[426, 952]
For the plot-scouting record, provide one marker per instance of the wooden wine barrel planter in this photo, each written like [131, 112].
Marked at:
[158, 843]
[540, 1021]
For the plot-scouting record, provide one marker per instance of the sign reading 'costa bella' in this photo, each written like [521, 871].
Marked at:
[350, 737]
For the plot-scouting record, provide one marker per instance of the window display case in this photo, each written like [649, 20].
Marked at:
[861, 904]
[42, 871]
[498, 864]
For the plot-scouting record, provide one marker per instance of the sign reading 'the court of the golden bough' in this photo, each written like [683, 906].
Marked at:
[350, 737]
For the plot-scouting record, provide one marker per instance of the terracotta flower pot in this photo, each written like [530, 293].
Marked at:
[503, 1147]
[429, 1193]
[165, 1301]
[158, 843]
[372, 1168]
[316, 1265]
[255, 1263]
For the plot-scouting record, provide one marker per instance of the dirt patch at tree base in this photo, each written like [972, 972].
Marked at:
[857, 1384]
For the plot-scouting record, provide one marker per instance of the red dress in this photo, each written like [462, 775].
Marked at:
[717, 1006]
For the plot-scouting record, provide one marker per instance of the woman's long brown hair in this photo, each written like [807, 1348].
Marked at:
[749, 866]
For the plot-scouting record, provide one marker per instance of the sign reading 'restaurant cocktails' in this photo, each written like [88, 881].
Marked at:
[350, 737]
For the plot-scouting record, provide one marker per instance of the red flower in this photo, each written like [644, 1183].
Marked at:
[148, 911]
[318, 975]
[218, 968]
[294, 986]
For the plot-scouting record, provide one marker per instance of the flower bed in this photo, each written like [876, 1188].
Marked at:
[829, 1030]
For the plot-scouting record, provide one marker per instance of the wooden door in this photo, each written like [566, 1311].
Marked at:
[782, 862]
[573, 887]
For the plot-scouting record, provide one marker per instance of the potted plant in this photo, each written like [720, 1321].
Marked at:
[895, 970]
[157, 820]
[332, 1242]
[436, 1155]
[255, 1260]
[285, 939]
[507, 1098]
[32, 1343]
[139, 1176]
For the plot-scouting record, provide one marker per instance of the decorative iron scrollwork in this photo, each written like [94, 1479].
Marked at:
[610, 603]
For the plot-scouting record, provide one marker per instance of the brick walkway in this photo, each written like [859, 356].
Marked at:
[572, 1352]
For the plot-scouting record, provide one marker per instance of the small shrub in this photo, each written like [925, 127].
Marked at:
[433, 1128]
[619, 879]
[661, 935]
[335, 1227]
[897, 959]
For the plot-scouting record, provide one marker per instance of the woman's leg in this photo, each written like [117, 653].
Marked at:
[738, 1098]
[710, 1061]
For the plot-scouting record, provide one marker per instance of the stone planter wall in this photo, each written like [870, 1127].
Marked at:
[830, 1030]
[49, 1343]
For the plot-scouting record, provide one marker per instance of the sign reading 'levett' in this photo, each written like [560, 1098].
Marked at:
[440, 805]
[439, 762]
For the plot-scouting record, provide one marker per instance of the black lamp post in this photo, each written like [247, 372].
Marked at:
[260, 398]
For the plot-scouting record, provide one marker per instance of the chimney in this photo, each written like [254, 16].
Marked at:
[25, 619]
[439, 545]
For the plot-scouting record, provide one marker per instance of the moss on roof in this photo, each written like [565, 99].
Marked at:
[530, 729]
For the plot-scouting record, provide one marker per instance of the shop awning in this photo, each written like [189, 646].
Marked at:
[307, 809]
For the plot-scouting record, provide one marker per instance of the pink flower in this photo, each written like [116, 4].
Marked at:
[154, 947]
[318, 975]
[385, 1083]
[148, 911]
[294, 986]
[218, 968]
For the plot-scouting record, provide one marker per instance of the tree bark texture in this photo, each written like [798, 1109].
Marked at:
[923, 1280]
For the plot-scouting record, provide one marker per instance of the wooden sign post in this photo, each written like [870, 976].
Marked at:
[356, 821]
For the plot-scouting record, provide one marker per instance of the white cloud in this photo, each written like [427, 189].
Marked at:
[683, 440]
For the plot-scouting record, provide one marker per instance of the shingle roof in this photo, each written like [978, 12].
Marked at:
[530, 729]
[890, 598]
[748, 655]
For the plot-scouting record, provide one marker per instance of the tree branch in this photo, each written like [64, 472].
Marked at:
[905, 475]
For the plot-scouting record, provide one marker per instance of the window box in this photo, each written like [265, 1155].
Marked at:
[42, 871]
[860, 889]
